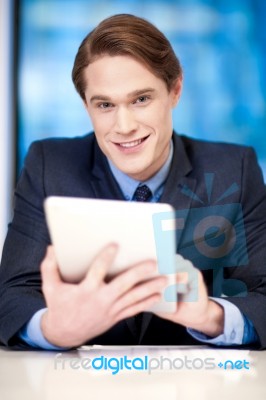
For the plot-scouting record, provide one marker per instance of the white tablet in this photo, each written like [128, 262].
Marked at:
[80, 228]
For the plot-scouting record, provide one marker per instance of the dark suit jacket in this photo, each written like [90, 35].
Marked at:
[77, 167]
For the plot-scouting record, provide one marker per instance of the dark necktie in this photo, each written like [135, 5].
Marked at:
[142, 193]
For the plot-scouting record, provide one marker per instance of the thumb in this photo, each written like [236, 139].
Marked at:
[187, 279]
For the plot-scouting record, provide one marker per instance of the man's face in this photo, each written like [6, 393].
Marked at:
[131, 112]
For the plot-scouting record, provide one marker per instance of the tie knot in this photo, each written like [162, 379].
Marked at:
[142, 193]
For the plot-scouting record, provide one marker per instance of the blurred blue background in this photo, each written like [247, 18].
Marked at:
[221, 45]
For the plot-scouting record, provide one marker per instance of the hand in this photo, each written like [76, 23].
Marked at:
[194, 308]
[78, 312]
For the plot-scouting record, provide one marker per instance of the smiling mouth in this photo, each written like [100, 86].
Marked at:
[134, 143]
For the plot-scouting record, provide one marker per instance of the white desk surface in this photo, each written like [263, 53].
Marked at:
[47, 375]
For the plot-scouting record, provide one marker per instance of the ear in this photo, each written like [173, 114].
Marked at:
[176, 90]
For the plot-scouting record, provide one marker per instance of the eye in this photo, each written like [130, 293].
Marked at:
[142, 99]
[105, 105]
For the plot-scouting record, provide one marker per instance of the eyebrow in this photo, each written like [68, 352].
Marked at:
[131, 94]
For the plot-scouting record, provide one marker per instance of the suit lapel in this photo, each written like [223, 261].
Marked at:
[178, 181]
[178, 178]
[102, 180]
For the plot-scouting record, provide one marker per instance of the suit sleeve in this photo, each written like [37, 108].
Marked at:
[253, 201]
[24, 248]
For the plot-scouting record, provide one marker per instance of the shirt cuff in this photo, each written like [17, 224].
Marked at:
[31, 333]
[233, 326]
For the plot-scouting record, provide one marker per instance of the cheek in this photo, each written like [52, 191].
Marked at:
[101, 123]
[161, 117]
[152, 116]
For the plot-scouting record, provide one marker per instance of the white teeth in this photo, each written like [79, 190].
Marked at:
[131, 144]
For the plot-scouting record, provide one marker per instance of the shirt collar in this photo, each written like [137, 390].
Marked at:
[129, 185]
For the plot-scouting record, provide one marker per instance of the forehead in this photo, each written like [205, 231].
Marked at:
[119, 75]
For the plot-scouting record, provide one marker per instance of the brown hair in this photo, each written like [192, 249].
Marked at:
[125, 34]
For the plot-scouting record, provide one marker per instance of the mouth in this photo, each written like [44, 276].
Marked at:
[132, 144]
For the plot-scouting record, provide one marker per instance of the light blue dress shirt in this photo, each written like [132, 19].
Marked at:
[238, 329]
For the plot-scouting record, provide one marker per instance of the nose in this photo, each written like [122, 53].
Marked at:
[125, 121]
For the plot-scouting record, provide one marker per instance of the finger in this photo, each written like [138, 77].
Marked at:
[186, 274]
[139, 293]
[137, 308]
[131, 277]
[182, 264]
[194, 282]
[100, 266]
[49, 271]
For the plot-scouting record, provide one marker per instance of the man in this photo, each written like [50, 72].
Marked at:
[130, 80]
